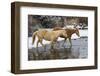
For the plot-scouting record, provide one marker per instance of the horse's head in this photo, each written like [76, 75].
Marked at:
[77, 32]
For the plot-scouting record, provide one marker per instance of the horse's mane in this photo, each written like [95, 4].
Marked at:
[57, 28]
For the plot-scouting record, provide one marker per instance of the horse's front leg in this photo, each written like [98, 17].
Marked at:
[70, 41]
[57, 43]
[64, 41]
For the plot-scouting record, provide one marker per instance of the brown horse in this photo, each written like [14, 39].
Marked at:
[48, 35]
[69, 32]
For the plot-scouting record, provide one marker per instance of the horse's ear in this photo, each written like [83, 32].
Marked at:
[75, 26]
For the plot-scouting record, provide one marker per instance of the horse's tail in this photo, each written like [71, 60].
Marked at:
[33, 37]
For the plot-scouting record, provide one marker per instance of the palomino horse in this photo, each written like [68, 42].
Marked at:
[48, 35]
[69, 32]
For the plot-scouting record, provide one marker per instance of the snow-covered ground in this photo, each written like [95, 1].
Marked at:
[74, 36]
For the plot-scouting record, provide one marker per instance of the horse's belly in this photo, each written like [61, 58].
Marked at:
[62, 36]
[51, 36]
[47, 38]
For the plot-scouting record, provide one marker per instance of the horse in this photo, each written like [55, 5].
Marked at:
[69, 32]
[47, 35]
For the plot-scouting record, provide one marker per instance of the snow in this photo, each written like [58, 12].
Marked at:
[74, 36]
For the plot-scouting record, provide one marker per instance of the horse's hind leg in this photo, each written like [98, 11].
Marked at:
[37, 44]
[52, 44]
[42, 44]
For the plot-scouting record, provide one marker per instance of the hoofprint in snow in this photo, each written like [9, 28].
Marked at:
[74, 36]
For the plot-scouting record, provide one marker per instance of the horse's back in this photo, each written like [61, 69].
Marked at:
[41, 33]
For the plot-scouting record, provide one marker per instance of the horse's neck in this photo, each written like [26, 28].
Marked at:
[70, 31]
[73, 31]
[62, 32]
